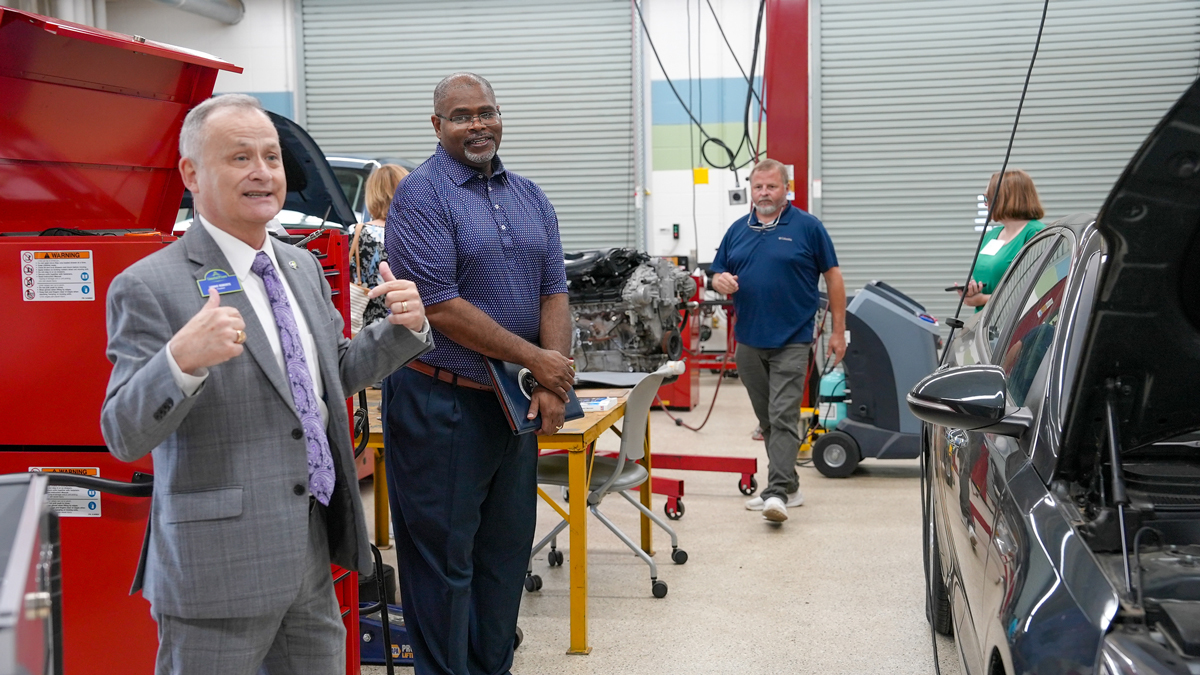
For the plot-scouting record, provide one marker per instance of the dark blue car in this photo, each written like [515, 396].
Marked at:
[1063, 463]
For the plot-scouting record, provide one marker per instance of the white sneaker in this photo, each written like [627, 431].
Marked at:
[774, 510]
[794, 499]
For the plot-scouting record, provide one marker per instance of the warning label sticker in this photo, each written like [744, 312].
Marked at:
[72, 501]
[57, 276]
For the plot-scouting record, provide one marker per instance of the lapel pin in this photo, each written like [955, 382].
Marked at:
[292, 264]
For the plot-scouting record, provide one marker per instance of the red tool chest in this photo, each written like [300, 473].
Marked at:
[89, 128]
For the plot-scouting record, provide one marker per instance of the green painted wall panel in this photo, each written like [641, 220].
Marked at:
[673, 150]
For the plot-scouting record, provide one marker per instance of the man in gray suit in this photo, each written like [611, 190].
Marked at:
[254, 477]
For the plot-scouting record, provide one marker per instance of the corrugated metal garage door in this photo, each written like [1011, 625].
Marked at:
[562, 74]
[916, 102]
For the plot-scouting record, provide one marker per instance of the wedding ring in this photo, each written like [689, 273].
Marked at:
[403, 306]
[241, 337]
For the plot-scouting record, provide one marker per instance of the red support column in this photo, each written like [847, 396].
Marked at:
[786, 89]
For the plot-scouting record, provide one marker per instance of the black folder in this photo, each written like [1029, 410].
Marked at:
[514, 385]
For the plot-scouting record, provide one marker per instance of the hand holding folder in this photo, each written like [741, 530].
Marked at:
[514, 386]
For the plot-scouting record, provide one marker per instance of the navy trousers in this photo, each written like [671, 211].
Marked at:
[463, 493]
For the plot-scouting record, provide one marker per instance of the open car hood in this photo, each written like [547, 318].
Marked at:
[1144, 330]
[313, 189]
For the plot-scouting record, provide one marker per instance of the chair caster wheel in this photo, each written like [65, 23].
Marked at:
[533, 583]
[659, 589]
[554, 558]
[678, 556]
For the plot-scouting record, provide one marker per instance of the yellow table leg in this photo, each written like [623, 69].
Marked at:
[647, 494]
[382, 539]
[577, 479]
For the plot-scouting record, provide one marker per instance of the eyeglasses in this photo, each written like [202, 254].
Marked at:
[490, 118]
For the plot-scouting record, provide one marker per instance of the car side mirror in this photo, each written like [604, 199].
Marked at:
[971, 398]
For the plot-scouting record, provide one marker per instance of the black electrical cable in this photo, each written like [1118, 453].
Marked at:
[663, 68]
[721, 377]
[712, 404]
[679, 422]
[721, 29]
[746, 139]
[926, 461]
[999, 180]
[708, 138]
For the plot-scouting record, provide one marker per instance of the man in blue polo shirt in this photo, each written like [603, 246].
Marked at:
[770, 262]
[482, 245]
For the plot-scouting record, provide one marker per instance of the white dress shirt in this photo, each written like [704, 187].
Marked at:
[241, 257]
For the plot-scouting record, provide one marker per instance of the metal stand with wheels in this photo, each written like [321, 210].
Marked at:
[382, 608]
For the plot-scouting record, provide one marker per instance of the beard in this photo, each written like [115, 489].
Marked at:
[481, 158]
[765, 208]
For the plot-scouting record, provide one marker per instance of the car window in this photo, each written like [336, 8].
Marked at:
[1005, 302]
[1029, 344]
[352, 182]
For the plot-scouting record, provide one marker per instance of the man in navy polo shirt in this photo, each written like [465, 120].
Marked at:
[770, 263]
[482, 245]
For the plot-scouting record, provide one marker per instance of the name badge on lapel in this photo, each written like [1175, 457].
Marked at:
[221, 281]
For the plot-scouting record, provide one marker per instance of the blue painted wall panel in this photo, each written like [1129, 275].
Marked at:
[713, 100]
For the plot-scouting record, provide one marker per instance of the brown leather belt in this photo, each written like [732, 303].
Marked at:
[447, 376]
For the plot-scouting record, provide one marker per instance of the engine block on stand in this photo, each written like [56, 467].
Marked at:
[626, 308]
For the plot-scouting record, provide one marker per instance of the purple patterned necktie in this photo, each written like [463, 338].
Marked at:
[320, 461]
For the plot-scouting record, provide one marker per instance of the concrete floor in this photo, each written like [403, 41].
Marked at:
[838, 588]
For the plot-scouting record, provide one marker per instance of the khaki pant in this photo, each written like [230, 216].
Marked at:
[774, 379]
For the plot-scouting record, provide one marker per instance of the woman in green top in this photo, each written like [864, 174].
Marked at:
[1017, 210]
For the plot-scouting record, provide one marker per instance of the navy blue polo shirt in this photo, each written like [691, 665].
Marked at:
[778, 271]
[493, 242]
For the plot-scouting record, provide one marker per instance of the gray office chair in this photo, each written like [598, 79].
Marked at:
[618, 474]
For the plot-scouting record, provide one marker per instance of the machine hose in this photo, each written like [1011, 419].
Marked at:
[721, 377]
[679, 422]
[141, 486]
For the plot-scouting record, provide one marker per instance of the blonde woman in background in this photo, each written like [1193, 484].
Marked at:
[381, 187]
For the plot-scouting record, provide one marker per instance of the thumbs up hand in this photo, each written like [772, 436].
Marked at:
[401, 298]
[214, 335]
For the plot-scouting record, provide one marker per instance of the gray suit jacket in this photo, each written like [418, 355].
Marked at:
[228, 526]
